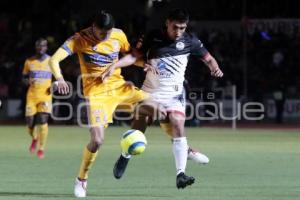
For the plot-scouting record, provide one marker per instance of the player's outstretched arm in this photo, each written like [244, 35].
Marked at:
[213, 66]
[125, 61]
[59, 55]
[135, 57]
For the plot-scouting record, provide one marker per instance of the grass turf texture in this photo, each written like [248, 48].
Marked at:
[245, 164]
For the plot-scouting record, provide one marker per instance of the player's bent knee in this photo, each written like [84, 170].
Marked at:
[177, 127]
[177, 133]
[98, 141]
[97, 136]
[95, 144]
[41, 118]
[152, 110]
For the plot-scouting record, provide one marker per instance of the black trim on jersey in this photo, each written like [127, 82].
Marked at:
[177, 60]
[168, 69]
[156, 44]
[172, 61]
[167, 58]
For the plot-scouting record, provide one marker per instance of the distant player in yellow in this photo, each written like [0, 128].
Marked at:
[97, 47]
[37, 75]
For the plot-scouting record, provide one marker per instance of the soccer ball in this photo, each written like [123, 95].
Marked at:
[133, 142]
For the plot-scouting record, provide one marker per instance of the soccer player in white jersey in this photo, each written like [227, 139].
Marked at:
[168, 51]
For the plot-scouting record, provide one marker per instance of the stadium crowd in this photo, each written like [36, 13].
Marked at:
[272, 58]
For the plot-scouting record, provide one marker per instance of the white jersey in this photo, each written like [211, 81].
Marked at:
[170, 58]
[170, 79]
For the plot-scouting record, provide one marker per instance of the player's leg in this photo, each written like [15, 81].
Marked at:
[30, 112]
[193, 154]
[140, 123]
[30, 125]
[99, 115]
[89, 155]
[177, 104]
[41, 124]
[144, 113]
[180, 149]
[41, 127]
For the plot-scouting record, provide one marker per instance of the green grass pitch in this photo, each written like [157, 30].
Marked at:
[245, 164]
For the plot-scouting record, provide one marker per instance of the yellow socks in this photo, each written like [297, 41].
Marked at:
[88, 159]
[42, 130]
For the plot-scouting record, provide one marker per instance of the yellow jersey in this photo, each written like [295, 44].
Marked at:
[40, 76]
[95, 57]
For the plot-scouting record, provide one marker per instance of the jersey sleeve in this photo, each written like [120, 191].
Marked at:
[198, 48]
[124, 44]
[25, 68]
[54, 61]
[72, 45]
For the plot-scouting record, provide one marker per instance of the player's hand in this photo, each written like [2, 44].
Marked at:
[217, 72]
[107, 73]
[62, 87]
[150, 68]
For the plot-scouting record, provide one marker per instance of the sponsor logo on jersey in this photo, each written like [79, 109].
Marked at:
[165, 74]
[40, 74]
[161, 65]
[179, 45]
[100, 59]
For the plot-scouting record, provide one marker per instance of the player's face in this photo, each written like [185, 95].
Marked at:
[175, 29]
[101, 34]
[41, 47]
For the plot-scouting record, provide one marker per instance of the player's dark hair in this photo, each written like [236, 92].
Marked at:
[179, 15]
[104, 20]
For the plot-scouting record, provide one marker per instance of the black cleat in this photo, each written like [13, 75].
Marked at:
[183, 180]
[120, 166]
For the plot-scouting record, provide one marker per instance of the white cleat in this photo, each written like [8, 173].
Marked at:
[80, 188]
[197, 157]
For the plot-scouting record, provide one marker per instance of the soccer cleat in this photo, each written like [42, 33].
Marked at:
[120, 166]
[40, 154]
[197, 157]
[183, 180]
[32, 147]
[80, 188]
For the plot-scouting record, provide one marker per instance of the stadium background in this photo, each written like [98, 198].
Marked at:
[255, 42]
[257, 45]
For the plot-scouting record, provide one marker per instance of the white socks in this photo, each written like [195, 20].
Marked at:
[180, 149]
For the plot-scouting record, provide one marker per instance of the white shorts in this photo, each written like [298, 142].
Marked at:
[171, 103]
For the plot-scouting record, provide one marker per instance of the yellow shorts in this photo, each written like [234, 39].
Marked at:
[34, 106]
[101, 107]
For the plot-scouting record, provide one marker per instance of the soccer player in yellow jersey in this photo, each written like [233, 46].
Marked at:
[97, 47]
[37, 75]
